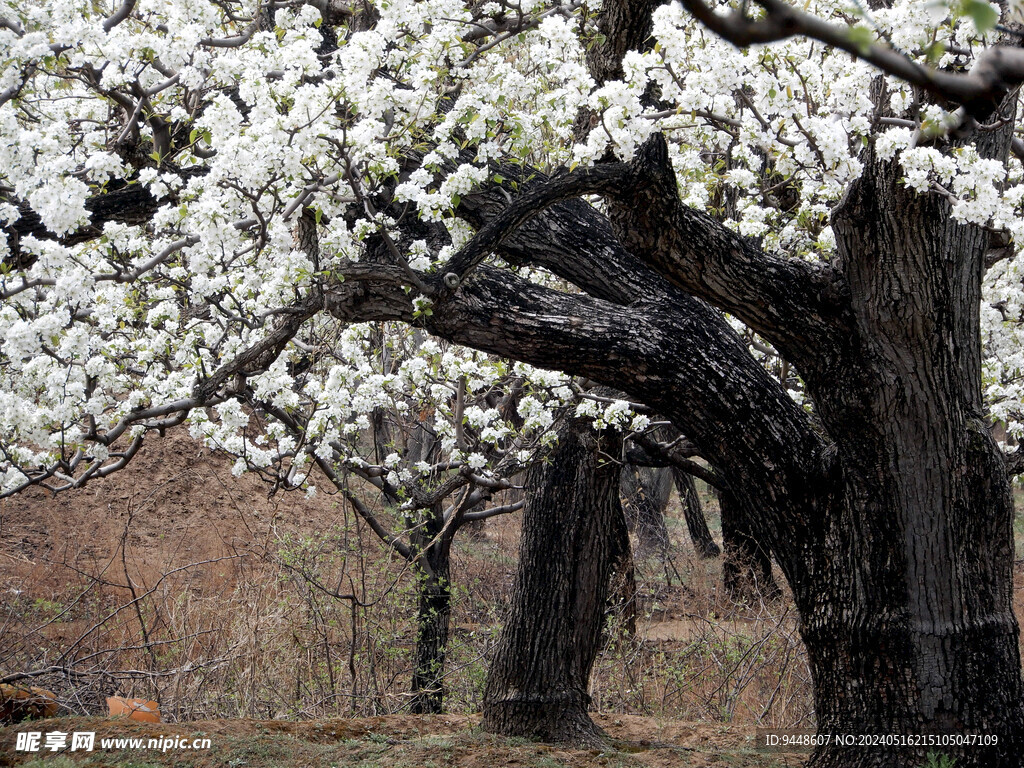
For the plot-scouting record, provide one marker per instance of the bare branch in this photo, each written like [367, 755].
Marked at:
[119, 15]
[231, 42]
[483, 514]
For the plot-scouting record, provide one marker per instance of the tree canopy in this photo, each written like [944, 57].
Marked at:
[189, 186]
[203, 200]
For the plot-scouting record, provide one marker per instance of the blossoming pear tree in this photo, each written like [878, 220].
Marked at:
[421, 437]
[198, 196]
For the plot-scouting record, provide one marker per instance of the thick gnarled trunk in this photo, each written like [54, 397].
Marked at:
[538, 683]
[909, 625]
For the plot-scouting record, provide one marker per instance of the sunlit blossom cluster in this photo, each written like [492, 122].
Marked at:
[236, 129]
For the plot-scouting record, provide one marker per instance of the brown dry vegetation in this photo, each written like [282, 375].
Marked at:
[178, 582]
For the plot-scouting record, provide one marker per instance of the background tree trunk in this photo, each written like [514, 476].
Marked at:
[696, 522]
[645, 492]
[747, 567]
[433, 614]
[537, 686]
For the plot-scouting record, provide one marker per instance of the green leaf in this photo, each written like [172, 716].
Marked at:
[982, 13]
[934, 52]
[862, 38]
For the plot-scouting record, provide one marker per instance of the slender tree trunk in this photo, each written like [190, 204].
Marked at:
[747, 567]
[537, 685]
[433, 614]
[693, 513]
[622, 594]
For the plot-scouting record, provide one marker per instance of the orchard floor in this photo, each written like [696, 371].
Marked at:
[180, 582]
[399, 741]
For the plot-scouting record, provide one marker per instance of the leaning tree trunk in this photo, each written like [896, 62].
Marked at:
[433, 586]
[537, 685]
[693, 513]
[747, 566]
[909, 621]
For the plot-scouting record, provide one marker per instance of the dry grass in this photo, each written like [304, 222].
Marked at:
[186, 585]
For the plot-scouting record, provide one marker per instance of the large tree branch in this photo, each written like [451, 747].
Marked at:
[681, 358]
[572, 240]
[797, 306]
[664, 248]
[980, 90]
[122, 13]
[561, 186]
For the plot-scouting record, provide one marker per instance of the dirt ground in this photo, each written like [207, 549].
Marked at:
[403, 742]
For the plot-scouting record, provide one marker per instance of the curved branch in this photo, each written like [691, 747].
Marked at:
[980, 90]
[797, 306]
[263, 353]
[231, 42]
[561, 186]
[572, 240]
[119, 15]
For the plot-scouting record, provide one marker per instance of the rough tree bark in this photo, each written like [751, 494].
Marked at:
[912, 627]
[537, 685]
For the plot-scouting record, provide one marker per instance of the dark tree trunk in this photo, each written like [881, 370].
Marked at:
[645, 492]
[537, 686]
[433, 586]
[890, 515]
[909, 622]
[747, 566]
[693, 513]
[622, 594]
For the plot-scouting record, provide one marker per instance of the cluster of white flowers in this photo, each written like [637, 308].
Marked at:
[234, 131]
